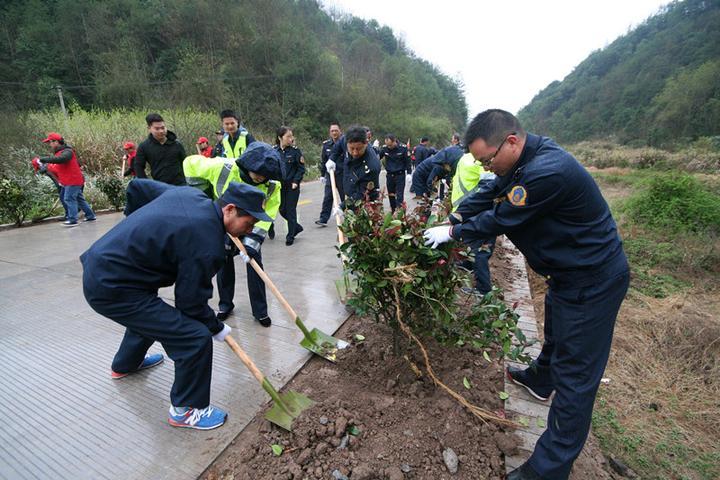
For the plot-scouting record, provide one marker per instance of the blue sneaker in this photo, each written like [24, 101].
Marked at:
[198, 418]
[149, 361]
[535, 379]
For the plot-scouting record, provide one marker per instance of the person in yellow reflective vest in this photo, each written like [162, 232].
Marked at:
[236, 138]
[469, 177]
[258, 166]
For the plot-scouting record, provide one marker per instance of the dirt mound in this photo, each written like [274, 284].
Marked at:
[378, 416]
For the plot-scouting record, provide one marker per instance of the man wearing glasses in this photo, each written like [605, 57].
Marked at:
[549, 206]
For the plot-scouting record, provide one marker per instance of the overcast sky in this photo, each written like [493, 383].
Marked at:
[504, 52]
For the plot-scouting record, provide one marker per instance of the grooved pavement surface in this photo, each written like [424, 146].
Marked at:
[64, 417]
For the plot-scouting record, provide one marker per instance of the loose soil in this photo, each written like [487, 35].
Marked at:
[379, 416]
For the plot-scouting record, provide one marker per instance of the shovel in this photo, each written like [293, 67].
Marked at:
[318, 342]
[336, 204]
[346, 284]
[288, 406]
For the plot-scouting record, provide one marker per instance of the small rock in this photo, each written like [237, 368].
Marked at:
[621, 469]
[362, 472]
[321, 448]
[405, 468]
[335, 442]
[304, 456]
[408, 433]
[344, 442]
[450, 459]
[390, 384]
[324, 420]
[338, 475]
[394, 473]
[319, 472]
[341, 426]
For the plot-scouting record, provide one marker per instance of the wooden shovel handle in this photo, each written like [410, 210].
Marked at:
[244, 358]
[266, 279]
[336, 204]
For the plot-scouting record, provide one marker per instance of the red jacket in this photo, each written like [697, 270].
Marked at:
[207, 152]
[66, 166]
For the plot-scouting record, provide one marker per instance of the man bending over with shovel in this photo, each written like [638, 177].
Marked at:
[172, 235]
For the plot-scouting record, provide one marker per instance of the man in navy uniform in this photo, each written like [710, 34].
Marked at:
[177, 237]
[396, 159]
[327, 148]
[552, 210]
[361, 166]
[438, 166]
[421, 152]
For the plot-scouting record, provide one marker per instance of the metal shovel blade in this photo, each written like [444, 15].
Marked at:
[323, 344]
[287, 407]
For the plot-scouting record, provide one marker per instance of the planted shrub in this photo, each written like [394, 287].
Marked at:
[113, 188]
[15, 201]
[386, 253]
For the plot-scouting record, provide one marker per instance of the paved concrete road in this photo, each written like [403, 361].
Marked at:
[63, 417]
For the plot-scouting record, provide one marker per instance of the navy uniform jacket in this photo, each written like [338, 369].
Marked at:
[362, 175]
[552, 210]
[292, 164]
[325, 153]
[448, 156]
[419, 178]
[397, 159]
[178, 238]
[421, 152]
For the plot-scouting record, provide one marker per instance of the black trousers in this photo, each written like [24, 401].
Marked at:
[328, 196]
[396, 188]
[256, 287]
[148, 319]
[288, 207]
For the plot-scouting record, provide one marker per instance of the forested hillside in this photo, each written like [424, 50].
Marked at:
[657, 85]
[275, 61]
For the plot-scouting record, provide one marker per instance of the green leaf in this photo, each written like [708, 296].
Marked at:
[354, 430]
[503, 395]
[466, 382]
[406, 236]
[541, 423]
[486, 356]
[276, 449]
[524, 421]
[359, 338]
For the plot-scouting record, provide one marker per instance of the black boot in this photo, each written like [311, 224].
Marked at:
[523, 472]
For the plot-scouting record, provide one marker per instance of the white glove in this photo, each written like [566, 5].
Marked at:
[323, 181]
[220, 336]
[244, 256]
[437, 235]
[408, 179]
[338, 214]
[330, 166]
[436, 202]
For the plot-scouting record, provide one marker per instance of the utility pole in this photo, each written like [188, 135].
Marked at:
[62, 101]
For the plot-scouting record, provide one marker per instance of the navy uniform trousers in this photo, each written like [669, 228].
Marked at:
[481, 267]
[580, 315]
[148, 319]
[396, 188]
[226, 282]
[328, 195]
[288, 207]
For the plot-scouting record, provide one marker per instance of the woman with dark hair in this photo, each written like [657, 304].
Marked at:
[293, 170]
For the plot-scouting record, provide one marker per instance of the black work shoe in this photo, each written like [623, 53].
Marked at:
[298, 230]
[224, 315]
[265, 321]
[532, 380]
[289, 241]
[271, 232]
[523, 472]
[320, 223]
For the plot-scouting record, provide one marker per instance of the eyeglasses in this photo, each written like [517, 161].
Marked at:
[486, 161]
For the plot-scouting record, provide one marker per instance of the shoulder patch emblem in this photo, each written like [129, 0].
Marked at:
[517, 196]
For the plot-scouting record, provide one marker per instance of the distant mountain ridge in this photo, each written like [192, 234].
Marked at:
[658, 84]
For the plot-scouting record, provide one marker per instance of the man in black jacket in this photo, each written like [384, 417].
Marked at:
[162, 151]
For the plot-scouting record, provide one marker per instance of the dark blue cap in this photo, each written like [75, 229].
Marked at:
[248, 198]
[261, 158]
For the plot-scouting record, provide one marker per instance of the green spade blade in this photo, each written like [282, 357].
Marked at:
[287, 406]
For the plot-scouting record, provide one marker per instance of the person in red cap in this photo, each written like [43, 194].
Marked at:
[69, 176]
[204, 148]
[49, 170]
[129, 158]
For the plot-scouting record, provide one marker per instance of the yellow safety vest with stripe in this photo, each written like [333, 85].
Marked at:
[240, 145]
[468, 175]
[216, 174]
